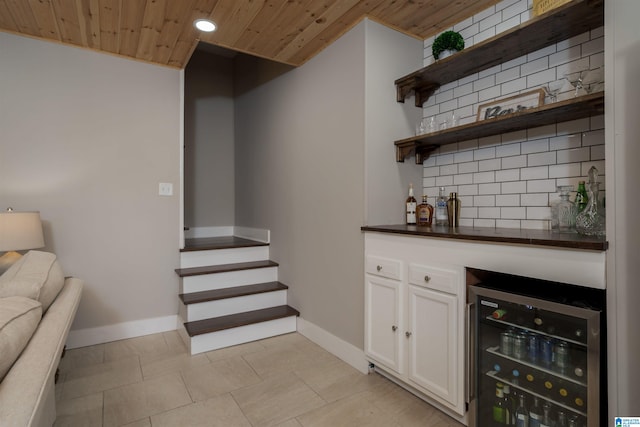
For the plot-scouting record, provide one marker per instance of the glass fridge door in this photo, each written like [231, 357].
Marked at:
[536, 361]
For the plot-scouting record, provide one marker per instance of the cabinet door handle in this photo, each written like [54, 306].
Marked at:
[379, 268]
[407, 334]
[427, 279]
[394, 328]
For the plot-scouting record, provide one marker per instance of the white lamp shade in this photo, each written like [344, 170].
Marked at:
[20, 231]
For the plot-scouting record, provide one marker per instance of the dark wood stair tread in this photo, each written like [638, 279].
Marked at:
[222, 242]
[224, 268]
[221, 323]
[238, 291]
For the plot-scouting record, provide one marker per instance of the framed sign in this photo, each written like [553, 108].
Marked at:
[510, 105]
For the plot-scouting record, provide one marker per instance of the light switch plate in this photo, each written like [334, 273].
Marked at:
[165, 189]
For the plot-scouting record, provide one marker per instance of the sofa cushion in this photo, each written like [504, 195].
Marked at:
[19, 318]
[37, 275]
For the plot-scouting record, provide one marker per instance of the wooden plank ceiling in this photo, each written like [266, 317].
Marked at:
[162, 32]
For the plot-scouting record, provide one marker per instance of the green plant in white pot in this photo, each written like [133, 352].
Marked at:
[446, 44]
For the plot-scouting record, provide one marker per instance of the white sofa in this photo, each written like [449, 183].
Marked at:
[27, 391]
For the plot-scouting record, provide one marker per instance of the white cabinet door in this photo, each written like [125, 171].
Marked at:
[383, 322]
[433, 349]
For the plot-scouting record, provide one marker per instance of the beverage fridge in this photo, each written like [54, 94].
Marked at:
[536, 352]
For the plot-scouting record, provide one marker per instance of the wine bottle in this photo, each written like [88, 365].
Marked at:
[425, 212]
[500, 411]
[511, 405]
[522, 414]
[535, 413]
[410, 207]
[546, 415]
[441, 208]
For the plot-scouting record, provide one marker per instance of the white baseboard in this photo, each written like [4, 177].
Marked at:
[334, 345]
[259, 234]
[120, 331]
[196, 232]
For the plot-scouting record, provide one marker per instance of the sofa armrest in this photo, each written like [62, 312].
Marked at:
[27, 393]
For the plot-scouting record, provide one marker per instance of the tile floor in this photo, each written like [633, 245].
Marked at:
[285, 381]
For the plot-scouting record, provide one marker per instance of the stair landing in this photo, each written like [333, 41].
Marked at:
[222, 242]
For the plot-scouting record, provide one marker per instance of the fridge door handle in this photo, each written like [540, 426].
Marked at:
[470, 359]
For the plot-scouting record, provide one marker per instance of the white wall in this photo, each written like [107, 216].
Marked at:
[209, 141]
[300, 167]
[510, 180]
[86, 138]
[623, 229]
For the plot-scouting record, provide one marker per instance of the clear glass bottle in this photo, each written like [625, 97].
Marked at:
[591, 221]
[424, 212]
[410, 207]
[546, 415]
[535, 413]
[441, 208]
[563, 212]
[522, 414]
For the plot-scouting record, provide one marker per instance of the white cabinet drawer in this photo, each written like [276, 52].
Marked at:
[384, 267]
[433, 278]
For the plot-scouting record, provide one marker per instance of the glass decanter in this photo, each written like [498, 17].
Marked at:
[563, 212]
[591, 221]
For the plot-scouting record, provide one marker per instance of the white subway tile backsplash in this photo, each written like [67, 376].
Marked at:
[534, 199]
[482, 177]
[484, 153]
[564, 142]
[513, 86]
[513, 213]
[535, 146]
[514, 187]
[514, 162]
[508, 200]
[461, 179]
[537, 159]
[573, 155]
[508, 180]
[564, 171]
[489, 188]
[539, 172]
[486, 212]
[467, 168]
[593, 138]
[484, 201]
[597, 152]
[443, 181]
[506, 175]
[489, 165]
[541, 186]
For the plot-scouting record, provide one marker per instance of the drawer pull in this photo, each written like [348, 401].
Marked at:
[427, 279]
[407, 334]
[379, 268]
[394, 328]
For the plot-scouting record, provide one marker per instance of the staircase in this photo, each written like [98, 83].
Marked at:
[230, 294]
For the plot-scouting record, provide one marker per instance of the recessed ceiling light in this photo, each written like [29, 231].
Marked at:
[204, 25]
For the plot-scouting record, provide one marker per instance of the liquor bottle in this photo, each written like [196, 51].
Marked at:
[441, 208]
[424, 212]
[535, 413]
[511, 405]
[410, 206]
[522, 415]
[562, 419]
[546, 415]
[581, 197]
[500, 410]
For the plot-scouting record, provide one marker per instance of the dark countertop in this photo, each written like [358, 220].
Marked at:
[498, 235]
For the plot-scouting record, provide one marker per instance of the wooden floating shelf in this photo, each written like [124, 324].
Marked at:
[557, 112]
[564, 22]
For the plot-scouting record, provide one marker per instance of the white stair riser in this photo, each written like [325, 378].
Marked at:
[206, 310]
[223, 256]
[229, 279]
[240, 335]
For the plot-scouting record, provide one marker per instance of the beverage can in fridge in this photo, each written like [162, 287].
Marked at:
[546, 351]
[533, 347]
[506, 343]
[520, 346]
